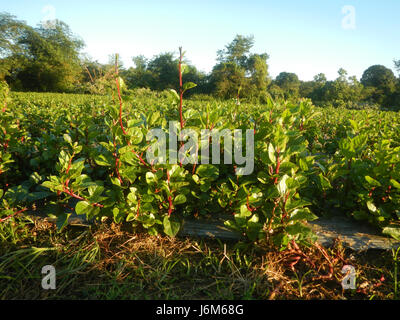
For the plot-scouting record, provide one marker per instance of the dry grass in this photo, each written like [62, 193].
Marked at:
[108, 261]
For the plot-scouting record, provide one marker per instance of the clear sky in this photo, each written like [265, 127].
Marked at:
[301, 36]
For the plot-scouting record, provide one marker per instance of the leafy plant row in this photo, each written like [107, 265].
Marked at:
[308, 162]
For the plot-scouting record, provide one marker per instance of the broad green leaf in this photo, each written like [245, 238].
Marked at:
[179, 199]
[371, 207]
[171, 228]
[395, 184]
[150, 178]
[118, 215]
[303, 214]
[282, 188]
[244, 211]
[271, 153]
[101, 160]
[188, 85]
[393, 231]
[325, 183]
[372, 181]
[67, 138]
[208, 171]
[82, 207]
[62, 221]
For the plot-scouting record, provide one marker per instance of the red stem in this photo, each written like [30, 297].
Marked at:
[180, 87]
[12, 215]
[138, 209]
[278, 165]
[70, 193]
[169, 197]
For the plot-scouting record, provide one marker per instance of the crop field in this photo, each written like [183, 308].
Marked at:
[308, 162]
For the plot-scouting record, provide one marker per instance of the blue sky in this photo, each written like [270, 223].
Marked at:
[306, 37]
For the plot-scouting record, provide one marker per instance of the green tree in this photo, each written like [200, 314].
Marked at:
[289, 83]
[237, 51]
[382, 81]
[239, 71]
[51, 57]
[10, 31]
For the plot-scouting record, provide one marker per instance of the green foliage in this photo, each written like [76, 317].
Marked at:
[39, 59]
[383, 82]
[240, 72]
[289, 83]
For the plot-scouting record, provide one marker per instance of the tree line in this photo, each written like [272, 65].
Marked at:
[50, 59]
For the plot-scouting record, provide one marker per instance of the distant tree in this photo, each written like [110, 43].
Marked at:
[237, 51]
[289, 83]
[382, 81]
[275, 91]
[343, 91]
[257, 69]
[239, 71]
[10, 31]
[51, 58]
[228, 78]
[317, 94]
[139, 76]
[306, 89]
[163, 68]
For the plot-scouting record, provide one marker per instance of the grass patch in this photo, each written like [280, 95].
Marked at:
[109, 261]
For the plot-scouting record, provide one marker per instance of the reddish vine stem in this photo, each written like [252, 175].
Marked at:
[12, 215]
[278, 165]
[138, 209]
[70, 193]
[169, 197]
[180, 87]
[273, 214]
[117, 164]
[324, 253]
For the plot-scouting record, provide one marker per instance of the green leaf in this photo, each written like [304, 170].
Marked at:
[82, 207]
[244, 211]
[371, 207]
[372, 181]
[118, 215]
[271, 153]
[171, 228]
[395, 184]
[303, 214]
[208, 171]
[282, 185]
[188, 85]
[393, 231]
[175, 95]
[325, 183]
[179, 199]
[299, 229]
[67, 138]
[101, 160]
[62, 221]
[196, 178]
[150, 178]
